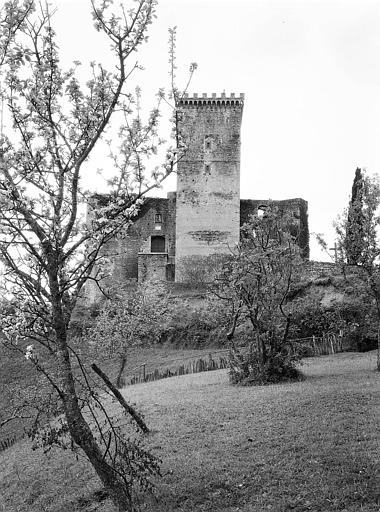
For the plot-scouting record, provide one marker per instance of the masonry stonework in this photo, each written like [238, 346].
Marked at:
[296, 207]
[208, 183]
[203, 218]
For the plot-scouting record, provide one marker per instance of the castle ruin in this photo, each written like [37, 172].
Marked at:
[204, 216]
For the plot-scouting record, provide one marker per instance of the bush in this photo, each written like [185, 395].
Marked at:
[313, 319]
[366, 344]
[356, 318]
[193, 325]
[200, 270]
[247, 369]
[81, 321]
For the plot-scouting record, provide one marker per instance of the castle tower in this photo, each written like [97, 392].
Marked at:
[208, 183]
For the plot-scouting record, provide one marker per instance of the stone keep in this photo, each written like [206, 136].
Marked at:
[208, 183]
[204, 216]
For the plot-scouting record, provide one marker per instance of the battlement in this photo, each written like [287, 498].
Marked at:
[221, 100]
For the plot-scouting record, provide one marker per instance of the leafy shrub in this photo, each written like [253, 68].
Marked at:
[200, 270]
[315, 320]
[130, 319]
[81, 321]
[256, 284]
[356, 318]
[194, 325]
[247, 368]
[367, 344]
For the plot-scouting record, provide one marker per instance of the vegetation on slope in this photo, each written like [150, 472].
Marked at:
[312, 445]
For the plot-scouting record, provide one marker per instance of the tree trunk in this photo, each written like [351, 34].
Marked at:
[378, 348]
[83, 436]
[79, 429]
[130, 410]
[261, 347]
[123, 362]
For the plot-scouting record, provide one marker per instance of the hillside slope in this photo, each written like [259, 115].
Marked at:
[312, 445]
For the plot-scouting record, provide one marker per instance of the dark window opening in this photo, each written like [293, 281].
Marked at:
[157, 244]
[158, 217]
[208, 144]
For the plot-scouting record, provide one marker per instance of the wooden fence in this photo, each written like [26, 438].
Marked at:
[10, 441]
[194, 366]
[329, 343]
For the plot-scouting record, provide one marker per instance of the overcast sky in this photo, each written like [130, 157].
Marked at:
[310, 71]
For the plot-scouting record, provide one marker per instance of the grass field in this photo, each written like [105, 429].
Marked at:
[17, 374]
[312, 445]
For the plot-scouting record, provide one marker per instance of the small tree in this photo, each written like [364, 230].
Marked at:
[361, 232]
[256, 282]
[355, 219]
[45, 246]
[128, 320]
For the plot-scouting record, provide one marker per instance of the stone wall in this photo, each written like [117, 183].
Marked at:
[202, 220]
[317, 269]
[138, 236]
[131, 255]
[152, 267]
[208, 184]
[124, 250]
[298, 208]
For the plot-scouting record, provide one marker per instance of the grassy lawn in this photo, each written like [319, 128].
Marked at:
[312, 445]
[18, 375]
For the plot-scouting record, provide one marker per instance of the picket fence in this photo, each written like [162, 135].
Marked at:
[329, 343]
[10, 441]
[193, 366]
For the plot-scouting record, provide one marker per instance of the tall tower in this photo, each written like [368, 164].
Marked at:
[208, 183]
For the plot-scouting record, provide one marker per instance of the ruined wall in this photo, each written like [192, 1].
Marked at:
[138, 235]
[152, 267]
[298, 207]
[316, 269]
[208, 185]
[124, 250]
[202, 220]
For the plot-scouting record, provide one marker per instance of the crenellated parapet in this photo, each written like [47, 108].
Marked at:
[208, 178]
[221, 100]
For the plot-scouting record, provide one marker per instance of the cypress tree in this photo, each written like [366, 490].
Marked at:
[354, 241]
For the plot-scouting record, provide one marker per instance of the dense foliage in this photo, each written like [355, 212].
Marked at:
[131, 319]
[358, 232]
[255, 284]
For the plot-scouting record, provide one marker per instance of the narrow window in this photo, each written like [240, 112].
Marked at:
[157, 244]
[208, 144]
[158, 222]
[207, 169]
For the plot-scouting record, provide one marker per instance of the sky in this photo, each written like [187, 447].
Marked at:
[310, 71]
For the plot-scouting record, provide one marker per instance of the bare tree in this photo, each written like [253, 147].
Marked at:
[47, 250]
